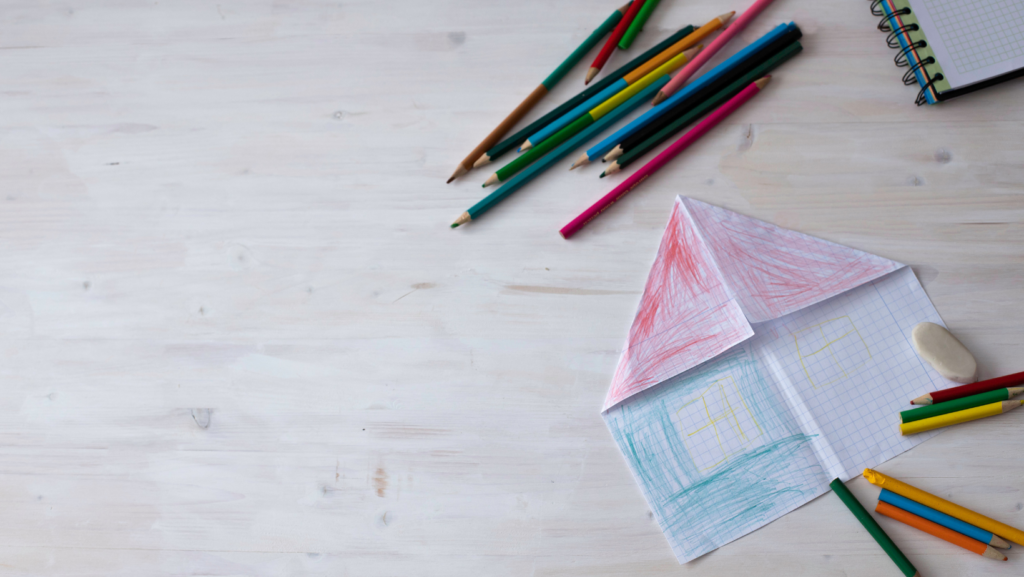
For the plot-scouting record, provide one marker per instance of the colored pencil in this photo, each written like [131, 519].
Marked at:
[971, 389]
[534, 170]
[737, 26]
[779, 45]
[717, 74]
[513, 142]
[505, 172]
[661, 133]
[609, 45]
[671, 152]
[943, 506]
[943, 519]
[634, 76]
[638, 24]
[526, 105]
[873, 528]
[939, 531]
[955, 405]
[964, 416]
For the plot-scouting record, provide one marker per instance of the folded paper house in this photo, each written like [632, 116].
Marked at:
[762, 363]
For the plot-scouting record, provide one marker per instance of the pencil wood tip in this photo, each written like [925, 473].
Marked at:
[458, 172]
[998, 542]
[922, 400]
[613, 154]
[691, 52]
[482, 161]
[724, 18]
[994, 554]
[491, 180]
[526, 146]
[591, 74]
[463, 219]
[762, 82]
[658, 98]
[613, 168]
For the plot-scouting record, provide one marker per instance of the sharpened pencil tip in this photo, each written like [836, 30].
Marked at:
[455, 225]
[658, 98]
[602, 175]
[458, 172]
[591, 74]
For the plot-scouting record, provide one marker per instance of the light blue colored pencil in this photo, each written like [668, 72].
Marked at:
[943, 519]
[567, 118]
[529, 173]
[653, 114]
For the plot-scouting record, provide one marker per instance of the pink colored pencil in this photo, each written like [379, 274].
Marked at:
[692, 66]
[613, 40]
[662, 159]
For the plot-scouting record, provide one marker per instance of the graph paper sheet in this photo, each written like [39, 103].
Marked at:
[726, 445]
[973, 40]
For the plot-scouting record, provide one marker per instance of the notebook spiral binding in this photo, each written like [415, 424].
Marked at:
[899, 39]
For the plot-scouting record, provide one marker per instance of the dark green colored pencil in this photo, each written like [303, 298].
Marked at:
[705, 107]
[709, 91]
[513, 142]
[872, 527]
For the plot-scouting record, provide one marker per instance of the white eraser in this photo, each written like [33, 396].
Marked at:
[940, 349]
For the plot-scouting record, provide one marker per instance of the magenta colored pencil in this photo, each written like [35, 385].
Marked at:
[662, 159]
[692, 66]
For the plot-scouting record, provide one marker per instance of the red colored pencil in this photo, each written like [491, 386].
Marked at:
[662, 159]
[968, 390]
[613, 40]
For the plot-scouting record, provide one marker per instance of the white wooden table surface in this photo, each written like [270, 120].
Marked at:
[237, 336]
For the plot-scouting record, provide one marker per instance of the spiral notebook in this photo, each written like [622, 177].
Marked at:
[954, 47]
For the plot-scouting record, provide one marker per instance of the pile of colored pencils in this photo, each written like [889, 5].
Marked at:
[707, 101]
[933, 515]
[963, 404]
[943, 519]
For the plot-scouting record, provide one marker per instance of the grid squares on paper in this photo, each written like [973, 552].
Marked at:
[717, 418]
[979, 33]
[831, 351]
[701, 490]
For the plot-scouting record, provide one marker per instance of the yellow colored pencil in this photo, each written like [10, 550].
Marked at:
[943, 506]
[964, 416]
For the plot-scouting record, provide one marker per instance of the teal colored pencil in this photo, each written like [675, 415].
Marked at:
[535, 169]
[638, 24]
[538, 93]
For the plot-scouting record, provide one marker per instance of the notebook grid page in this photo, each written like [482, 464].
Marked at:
[722, 449]
[973, 40]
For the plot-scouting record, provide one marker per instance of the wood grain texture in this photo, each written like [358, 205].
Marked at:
[237, 336]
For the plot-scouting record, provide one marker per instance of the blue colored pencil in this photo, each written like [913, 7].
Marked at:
[653, 114]
[529, 173]
[567, 118]
[943, 519]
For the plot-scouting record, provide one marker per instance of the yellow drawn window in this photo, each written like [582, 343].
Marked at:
[717, 424]
[831, 351]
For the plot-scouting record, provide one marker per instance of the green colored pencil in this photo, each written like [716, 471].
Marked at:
[524, 107]
[961, 404]
[523, 178]
[513, 142]
[637, 24]
[721, 96]
[505, 172]
[871, 525]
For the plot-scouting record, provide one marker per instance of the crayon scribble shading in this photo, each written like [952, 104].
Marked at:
[762, 364]
[717, 272]
[705, 508]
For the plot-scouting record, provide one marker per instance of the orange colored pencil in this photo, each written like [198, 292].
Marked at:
[939, 531]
